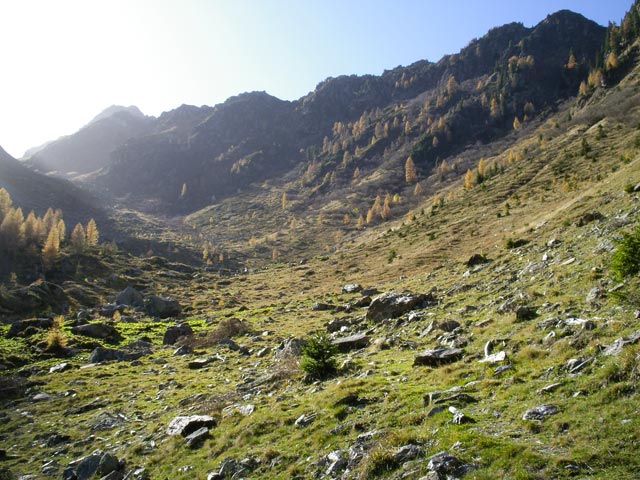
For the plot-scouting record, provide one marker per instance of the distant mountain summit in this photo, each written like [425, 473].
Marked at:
[117, 109]
[89, 149]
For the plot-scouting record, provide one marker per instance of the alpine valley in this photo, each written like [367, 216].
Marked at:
[428, 274]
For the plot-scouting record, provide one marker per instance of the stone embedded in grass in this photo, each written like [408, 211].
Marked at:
[60, 367]
[174, 332]
[406, 453]
[101, 331]
[32, 325]
[460, 418]
[445, 465]
[196, 438]
[616, 347]
[96, 464]
[395, 304]
[435, 357]
[449, 325]
[322, 307]
[524, 313]
[305, 419]
[131, 351]
[352, 342]
[476, 259]
[540, 412]
[351, 288]
[494, 357]
[187, 424]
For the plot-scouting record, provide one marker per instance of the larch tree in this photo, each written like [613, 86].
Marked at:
[51, 248]
[5, 203]
[62, 230]
[516, 124]
[417, 190]
[183, 192]
[91, 233]
[385, 212]
[468, 180]
[12, 229]
[78, 239]
[31, 229]
[410, 172]
[612, 61]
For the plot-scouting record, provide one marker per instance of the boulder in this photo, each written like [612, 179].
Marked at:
[174, 332]
[352, 342]
[25, 326]
[39, 296]
[476, 259]
[161, 307]
[337, 324]
[196, 438]
[322, 307]
[291, 347]
[407, 452]
[96, 464]
[449, 325]
[394, 304]
[97, 330]
[447, 465]
[186, 424]
[130, 297]
[524, 313]
[437, 356]
[540, 412]
[351, 288]
[588, 218]
[131, 351]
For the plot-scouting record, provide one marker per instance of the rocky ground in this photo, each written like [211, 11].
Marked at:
[486, 335]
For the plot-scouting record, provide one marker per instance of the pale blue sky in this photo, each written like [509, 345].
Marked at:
[64, 61]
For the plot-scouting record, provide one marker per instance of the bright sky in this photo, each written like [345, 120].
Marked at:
[64, 61]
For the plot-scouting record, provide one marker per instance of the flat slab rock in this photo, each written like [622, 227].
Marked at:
[352, 342]
[186, 424]
[435, 357]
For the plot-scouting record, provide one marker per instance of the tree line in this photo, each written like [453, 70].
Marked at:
[40, 238]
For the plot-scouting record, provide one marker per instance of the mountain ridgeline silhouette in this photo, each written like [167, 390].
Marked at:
[194, 156]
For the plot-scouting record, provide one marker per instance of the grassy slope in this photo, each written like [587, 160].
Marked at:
[594, 435]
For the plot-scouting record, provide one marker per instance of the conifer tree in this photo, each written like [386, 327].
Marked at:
[612, 61]
[5, 203]
[12, 229]
[51, 248]
[468, 180]
[91, 233]
[516, 124]
[410, 173]
[417, 190]
[78, 239]
[62, 230]
[385, 212]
